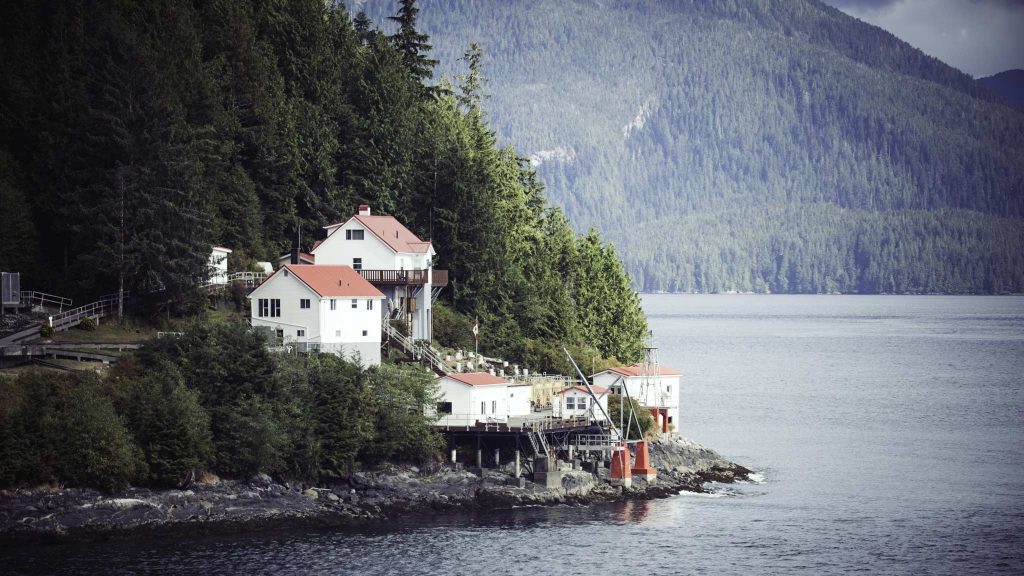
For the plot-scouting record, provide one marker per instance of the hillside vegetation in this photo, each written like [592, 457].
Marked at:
[137, 134]
[753, 146]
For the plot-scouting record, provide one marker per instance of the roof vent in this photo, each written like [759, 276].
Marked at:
[364, 210]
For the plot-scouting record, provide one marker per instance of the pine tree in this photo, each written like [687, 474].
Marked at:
[411, 43]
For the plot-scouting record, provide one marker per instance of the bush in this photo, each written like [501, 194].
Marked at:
[46, 331]
[170, 425]
[452, 329]
[87, 324]
[643, 426]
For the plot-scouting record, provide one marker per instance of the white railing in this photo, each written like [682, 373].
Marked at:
[70, 318]
[416, 350]
[43, 299]
[249, 279]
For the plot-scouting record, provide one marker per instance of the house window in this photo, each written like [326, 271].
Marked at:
[269, 307]
[355, 303]
[365, 333]
[280, 333]
[669, 388]
[369, 304]
[570, 403]
[353, 234]
[334, 304]
[581, 403]
[494, 406]
[337, 332]
[444, 407]
[483, 407]
[304, 303]
[300, 333]
[357, 263]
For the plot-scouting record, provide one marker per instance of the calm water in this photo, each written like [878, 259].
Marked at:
[889, 431]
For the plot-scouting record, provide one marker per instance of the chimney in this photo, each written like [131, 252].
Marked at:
[295, 255]
[364, 210]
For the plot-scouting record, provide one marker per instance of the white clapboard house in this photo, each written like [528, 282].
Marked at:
[392, 258]
[326, 308]
[654, 386]
[472, 397]
[576, 402]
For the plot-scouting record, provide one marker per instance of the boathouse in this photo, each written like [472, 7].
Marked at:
[576, 402]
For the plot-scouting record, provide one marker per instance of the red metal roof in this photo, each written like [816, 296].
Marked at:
[391, 231]
[637, 370]
[477, 378]
[331, 281]
[302, 256]
[599, 390]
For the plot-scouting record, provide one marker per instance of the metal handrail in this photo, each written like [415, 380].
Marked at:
[33, 298]
[72, 317]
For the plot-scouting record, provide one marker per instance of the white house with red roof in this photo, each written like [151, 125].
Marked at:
[326, 308]
[654, 386]
[577, 402]
[471, 397]
[390, 257]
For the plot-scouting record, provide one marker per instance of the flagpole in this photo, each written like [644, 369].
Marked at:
[476, 336]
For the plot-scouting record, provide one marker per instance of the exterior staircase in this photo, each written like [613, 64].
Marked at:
[421, 352]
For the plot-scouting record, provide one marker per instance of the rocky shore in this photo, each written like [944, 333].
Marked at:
[78, 515]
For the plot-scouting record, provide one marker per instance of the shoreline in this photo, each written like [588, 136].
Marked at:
[40, 517]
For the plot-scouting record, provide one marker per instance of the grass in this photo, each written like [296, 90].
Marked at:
[107, 332]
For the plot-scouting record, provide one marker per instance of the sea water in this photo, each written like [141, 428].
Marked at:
[886, 432]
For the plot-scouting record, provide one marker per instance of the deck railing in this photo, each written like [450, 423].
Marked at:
[405, 277]
[70, 318]
[43, 300]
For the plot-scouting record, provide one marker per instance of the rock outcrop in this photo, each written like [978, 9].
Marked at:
[51, 515]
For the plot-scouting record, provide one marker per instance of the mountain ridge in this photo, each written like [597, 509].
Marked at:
[748, 105]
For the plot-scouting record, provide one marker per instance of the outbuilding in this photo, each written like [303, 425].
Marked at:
[654, 386]
[471, 397]
[576, 402]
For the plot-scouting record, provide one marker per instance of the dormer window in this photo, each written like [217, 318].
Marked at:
[354, 234]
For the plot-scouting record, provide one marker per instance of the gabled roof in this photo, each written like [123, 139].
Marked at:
[635, 370]
[329, 281]
[477, 378]
[598, 390]
[390, 231]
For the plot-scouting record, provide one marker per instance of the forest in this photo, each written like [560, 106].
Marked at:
[135, 135]
[753, 146]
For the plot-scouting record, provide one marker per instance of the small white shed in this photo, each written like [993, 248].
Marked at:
[471, 397]
[218, 265]
[576, 402]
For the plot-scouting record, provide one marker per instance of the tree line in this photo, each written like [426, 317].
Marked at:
[137, 134]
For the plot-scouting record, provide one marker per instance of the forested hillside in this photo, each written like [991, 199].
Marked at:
[134, 135]
[1009, 85]
[753, 146]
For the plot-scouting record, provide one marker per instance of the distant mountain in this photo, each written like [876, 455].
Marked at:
[1008, 84]
[751, 146]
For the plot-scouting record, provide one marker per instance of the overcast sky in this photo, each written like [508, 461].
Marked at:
[980, 37]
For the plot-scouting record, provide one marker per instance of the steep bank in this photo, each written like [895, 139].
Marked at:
[77, 515]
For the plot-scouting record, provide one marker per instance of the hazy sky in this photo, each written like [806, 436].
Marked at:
[980, 37]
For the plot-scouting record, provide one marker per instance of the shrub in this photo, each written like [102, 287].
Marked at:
[643, 426]
[87, 324]
[46, 331]
[452, 329]
[170, 425]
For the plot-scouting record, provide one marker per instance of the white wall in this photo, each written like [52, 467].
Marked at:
[289, 290]
[376, 255]
[664, 391]
[519, 400]
[466, 401]
[218, 266]
[558, 405]
[322, 325]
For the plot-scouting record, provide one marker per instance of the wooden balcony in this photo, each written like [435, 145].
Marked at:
[404, 277]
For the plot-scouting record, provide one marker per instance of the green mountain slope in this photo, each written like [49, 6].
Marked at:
[778, 146]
